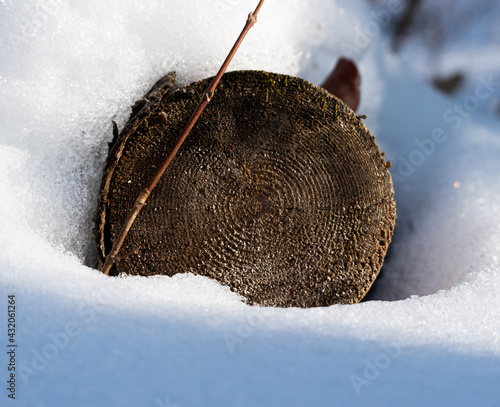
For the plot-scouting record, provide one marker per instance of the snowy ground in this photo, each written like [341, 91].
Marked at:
[67, 68]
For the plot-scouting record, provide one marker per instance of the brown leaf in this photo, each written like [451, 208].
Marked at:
[344, 82]
[449, 84]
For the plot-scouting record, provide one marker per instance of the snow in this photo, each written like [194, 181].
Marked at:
[429, 334]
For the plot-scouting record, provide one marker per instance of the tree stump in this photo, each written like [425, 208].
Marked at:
[279, 192]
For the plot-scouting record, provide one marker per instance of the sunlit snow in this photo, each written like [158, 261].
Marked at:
[68, 68]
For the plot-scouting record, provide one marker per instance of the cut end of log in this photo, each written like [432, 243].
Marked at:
[280, 192]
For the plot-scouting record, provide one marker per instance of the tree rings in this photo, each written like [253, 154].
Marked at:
[279, 192]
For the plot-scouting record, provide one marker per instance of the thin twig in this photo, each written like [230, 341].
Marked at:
[205, 99]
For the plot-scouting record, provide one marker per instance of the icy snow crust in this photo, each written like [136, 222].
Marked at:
[68, 68]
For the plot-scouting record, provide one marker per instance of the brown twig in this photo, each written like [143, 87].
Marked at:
[205, 99]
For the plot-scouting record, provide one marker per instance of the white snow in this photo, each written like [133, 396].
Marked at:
[67, 68]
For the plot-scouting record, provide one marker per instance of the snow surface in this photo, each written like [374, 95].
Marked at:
[67, 68]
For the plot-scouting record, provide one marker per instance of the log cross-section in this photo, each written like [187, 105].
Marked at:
[280, 192]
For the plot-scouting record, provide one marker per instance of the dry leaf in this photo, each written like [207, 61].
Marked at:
[344, 82]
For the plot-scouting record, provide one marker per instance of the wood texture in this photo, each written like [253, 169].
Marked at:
[280, 192]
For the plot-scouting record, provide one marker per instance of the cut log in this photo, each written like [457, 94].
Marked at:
[280, 192]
